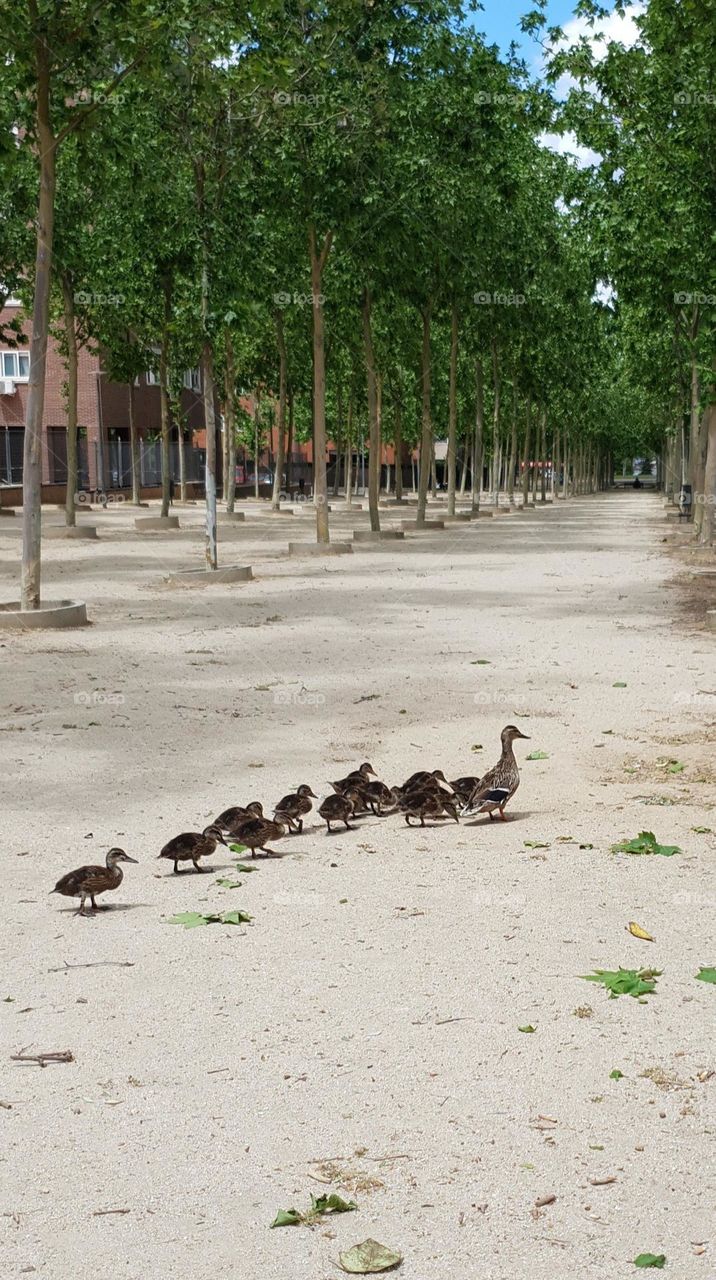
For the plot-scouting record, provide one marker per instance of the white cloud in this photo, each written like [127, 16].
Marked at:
[565, 144]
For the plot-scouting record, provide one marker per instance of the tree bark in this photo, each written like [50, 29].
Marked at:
[426, 436]
[164, 396]
[373, 414]
[135, 459]
[478, 447]
[452, 410]
[181, 456]
[512, 459]
[289, 443]
[398, 434]
[68, 307]
[281, 429]
[320, 482]
[526, 457]
[207, 379]
[349, 450]
[257, 440]
[495, 478]
[230, 422]
[543, 457]
[32, 444]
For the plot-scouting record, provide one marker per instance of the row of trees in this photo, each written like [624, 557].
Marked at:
[348, 209]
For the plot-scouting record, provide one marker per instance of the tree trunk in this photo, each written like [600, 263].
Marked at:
[289, 443]
[478, 447]
[135, 459]
[556, 463]
[426, 436]
[32, 445]
[452, 411]
[164, 397]
[495, 478]
[281, 433]
[398, 438]
[526, 456]
[68, 306]
[257, 441]
[373, 415]
[543, 458]
[512, 460]
[230, 422]
[707, 534]
[320, 483]
[181, 456]
[348, 465]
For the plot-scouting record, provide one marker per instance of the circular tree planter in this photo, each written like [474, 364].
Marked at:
[52, 614]
[428, 526]
[145, 524]
[59, 533]
[377, 535]
[319, 548]
[210, 577]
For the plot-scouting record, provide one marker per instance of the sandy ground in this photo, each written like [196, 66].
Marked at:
[361, 1034]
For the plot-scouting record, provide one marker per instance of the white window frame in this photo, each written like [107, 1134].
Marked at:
[15, 355]
[192, 380]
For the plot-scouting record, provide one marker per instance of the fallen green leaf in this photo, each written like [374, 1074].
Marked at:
[246, 870]
[195, 919]
[321, 1205]
[342, 901]
[595, 1147]
[706, 975]
[229, 884]
[650, 1260]
[536, 844]
[238, 848]
[481, 662]
[368, 1257]
[537, 755]
[625, 982]
[619, 684]
[616, 1074]
[287, 1218]
[646, 843]
[528, 1028]
[702, 831]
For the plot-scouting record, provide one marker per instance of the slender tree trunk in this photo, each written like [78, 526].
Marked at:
[556, 463]
[207, 379]
[565, 468]
[281, 433]
[373, 415]
[181, 456]
[320, 485]
[512, 460]
[257, 441]
[707, 535]
[70, 324]
[135, 459]
[433, 473]
[543, 458]
[164, 398]
[338, 439]
[463, 470]
[348, 466]
[452, 410]
[230, 421]
[426, 437]
[398, 449]
[32, 445]
[289, 443]
[478, 446]
[526, 458]
[495, 479]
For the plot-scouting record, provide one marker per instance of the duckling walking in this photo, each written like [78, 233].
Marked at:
[339, 808]
[427, 803]
[255, 833]
[293, 807]
[360, 775]
[230, 818]
[190, 846]
[87, 882]
[500, 783]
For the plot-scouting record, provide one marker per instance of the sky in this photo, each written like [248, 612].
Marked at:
[499, 20]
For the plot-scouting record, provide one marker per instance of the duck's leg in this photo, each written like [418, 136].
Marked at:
[94, 904]
[348, 825]
[503, 815]
[328, 827]
[81, 909]
[269, 852]
[176, 868]
[300, 825]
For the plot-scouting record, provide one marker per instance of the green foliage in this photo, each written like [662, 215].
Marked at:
[646, 843]
[320, 1206]
[625, 982]
[197, 919]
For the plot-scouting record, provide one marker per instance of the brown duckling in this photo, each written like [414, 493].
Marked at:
[378, 797]
[295, 805]
[424, 779]
[463, 788]
[192, 845]
[255, 833]
[237, 813]
[500, 783]
[87, 882]
[427, 803]
[253, 810]
[340, 807]
[360, 775]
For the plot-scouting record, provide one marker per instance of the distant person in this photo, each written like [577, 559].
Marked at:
[637, 484]
[171, 491]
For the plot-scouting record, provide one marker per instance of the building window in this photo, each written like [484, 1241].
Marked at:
[192, 380]
[152, 378]
[15, 365]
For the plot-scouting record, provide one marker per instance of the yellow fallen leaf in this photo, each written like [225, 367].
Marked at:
[637, 931]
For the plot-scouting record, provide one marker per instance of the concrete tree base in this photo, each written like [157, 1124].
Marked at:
[145, 524]
[52, 614]
[428, 527]
[319, 548]
[482, 515]
[210, 577]
[711, 619]
[377, 535]
[235, 517]
[61, 532]
[459, 518]
[7, 511]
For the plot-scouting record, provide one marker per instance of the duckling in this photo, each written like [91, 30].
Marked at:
[500, 783]
[378, 796]
[360, 775]
[427, 803]
[255, 833]
[192, 845]
[237, 813]
[253, 810]
[293, 806]
[424, 779]
[463, 788]
[86, 882]
[339, 808]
